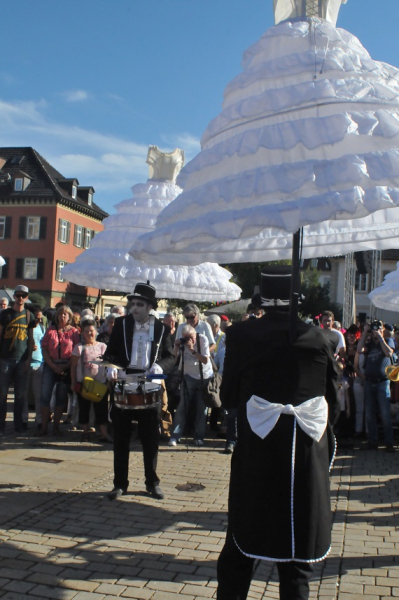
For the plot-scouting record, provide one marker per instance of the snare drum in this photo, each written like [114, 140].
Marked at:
[134, 396]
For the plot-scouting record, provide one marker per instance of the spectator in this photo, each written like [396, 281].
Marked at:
[3, 303]
[341, 426]
[376, 388]
[76, 320]
[224, 322]
[214, 321]
[36, 366]
[335, 336]
[118, 310]
[191, 313]
[16, 349]
[170, 320]
[192, 386]
[57, 346]
[106, 329]
[82, 365]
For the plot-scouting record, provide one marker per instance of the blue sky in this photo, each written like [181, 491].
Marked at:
[91, 83]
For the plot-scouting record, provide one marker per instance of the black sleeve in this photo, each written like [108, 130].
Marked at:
[167, 359]
[113, 352]
[332, 389]
[229, 389]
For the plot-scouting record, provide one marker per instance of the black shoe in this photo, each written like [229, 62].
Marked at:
[155, 492]
[229, 448]
[390, 448]
[116, 493]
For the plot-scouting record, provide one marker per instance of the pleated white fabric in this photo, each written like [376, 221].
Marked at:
[308, 135]
[2, 261]
[107, 264]
[386, 296]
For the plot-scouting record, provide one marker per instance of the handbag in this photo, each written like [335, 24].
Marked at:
[91, 389]
[211, 386]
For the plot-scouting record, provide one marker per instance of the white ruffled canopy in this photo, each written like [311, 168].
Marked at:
[308, 137]
[386, 296]
[2, 261]
[107, 264]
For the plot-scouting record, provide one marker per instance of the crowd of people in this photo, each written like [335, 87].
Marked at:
[47, 357]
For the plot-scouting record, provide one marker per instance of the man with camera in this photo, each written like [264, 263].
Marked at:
[377, 395]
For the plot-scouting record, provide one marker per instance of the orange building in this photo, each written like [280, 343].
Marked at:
[46, 221]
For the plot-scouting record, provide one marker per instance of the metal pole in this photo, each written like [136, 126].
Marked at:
[295, 284]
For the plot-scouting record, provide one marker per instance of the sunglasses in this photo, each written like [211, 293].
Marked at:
[21, 295]
[190, 317]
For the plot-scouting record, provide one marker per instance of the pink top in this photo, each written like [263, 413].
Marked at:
[91, 353]
[65, 339]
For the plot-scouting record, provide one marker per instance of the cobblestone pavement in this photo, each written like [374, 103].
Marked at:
[61, 538]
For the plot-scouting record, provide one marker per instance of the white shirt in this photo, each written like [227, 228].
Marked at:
[340, 341]
[191, 362]
[141, 347]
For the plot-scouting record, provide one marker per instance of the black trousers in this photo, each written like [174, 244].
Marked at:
[234, 572]
[100, 410]
[148, 430]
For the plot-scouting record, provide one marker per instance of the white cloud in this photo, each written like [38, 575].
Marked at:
[109, 163]
[75, 95]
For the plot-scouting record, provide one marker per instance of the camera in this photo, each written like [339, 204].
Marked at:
[183, 341]
[376, 325]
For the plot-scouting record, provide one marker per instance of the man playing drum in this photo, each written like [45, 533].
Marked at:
[140, 344]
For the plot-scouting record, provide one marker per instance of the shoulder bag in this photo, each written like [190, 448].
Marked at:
[91, 389]
[211, 386]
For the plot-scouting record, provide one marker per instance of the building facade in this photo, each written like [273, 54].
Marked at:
[46, 221]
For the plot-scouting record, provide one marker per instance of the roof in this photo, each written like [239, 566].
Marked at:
[46, 181]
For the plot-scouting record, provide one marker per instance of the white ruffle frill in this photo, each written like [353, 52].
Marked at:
[2, 261]
[308, 134]
[107, 264]
[386, 296]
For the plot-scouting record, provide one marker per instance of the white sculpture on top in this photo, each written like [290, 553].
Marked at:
[293, 9]
[164, 166]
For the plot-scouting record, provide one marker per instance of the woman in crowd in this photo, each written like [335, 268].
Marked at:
[57, 345]
[196, 356]
[106, 329]
[83, 365]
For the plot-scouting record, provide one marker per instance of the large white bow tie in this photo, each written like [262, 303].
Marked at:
[311, 416]
[142, 326]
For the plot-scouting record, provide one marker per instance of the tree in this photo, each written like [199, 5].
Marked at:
[316, 296]
[37, 299]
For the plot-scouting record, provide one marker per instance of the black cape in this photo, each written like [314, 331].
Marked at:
[279, 501]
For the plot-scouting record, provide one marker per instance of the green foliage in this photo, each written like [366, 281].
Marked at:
[37, 299]
[317, 296]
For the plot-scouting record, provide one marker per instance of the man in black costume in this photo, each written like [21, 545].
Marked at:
[139, 343]
[286, 396]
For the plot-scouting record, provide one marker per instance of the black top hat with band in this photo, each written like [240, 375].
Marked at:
[144, 291]
[275, 287]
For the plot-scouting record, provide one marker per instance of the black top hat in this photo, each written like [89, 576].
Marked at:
[275, 287]
[144, 291]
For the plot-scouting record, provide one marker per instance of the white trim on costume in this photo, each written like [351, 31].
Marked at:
[274, 559]
[292, 489]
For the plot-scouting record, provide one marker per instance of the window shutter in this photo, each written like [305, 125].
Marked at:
[75, 235]
[19, 268]
[59, 230]
[43, 228]
[68, 235]
[93, 233]
[40, 268]
[22, 228]
[7, 232]
[4, 268]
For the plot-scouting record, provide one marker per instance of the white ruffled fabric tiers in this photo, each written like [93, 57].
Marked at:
[386, 296]
[2, 261]
[107, 265]
[308, 134]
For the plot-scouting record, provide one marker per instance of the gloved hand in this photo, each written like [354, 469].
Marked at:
[155, 370]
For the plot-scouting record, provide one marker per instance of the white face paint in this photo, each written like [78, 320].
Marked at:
[140, 310]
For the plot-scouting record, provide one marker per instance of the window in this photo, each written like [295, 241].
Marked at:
[33, 228]
[2, 228]
[74, 191]
[78, 236]
[64, 231]
[361, 282]
[313, 263]
[58, 273]
[88, 236]
[30, 268]
[19, 185]
[90, 199]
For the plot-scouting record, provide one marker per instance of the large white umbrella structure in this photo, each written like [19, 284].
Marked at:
[386, 296]
[107, 264]
[308, 138]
